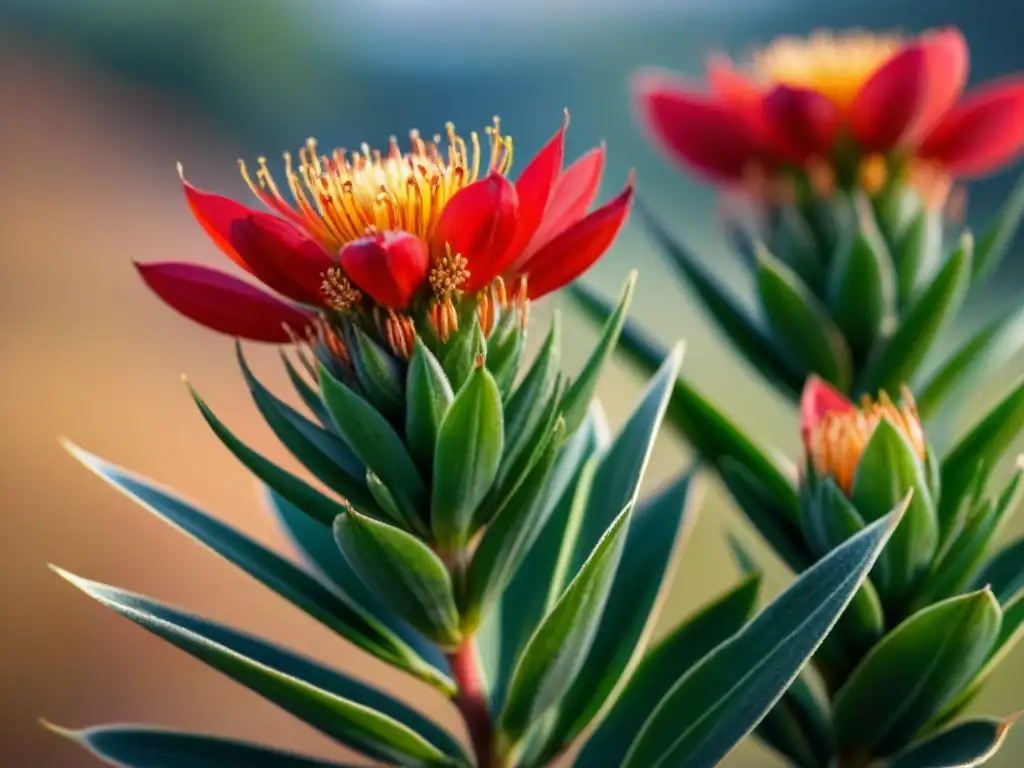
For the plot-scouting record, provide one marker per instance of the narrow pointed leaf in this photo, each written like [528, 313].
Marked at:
[379, 374]
[576, 399]
[289, 581]
[726, 694]
[376, 444]
[301, 494]
[403, 573]
[320, 451]
[920, 666]
[800, 324]
[898, 360]
[669, 659]
[618, 477]
[131, 746]
[316, 544]
[467, 457]
[647, 564]
[966, 744]
[918, 254]
[428, 396]
[994, 244]
[306, 393]
[798, 728]
[525, 410]
[347, 711]
[556, 651]
[736, 322]
[984, 444]
[1004, 573]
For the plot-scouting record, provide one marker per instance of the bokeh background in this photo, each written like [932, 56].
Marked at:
[99, 99]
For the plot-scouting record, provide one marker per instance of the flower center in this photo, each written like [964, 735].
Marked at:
[835, 65]
[341, 197]
[838, 441]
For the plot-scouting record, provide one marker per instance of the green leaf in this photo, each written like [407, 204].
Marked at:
[887, 471]
[984, 353]
[460, 358]
[645, 569]
[292, 583]
[793, 241]
[321, 452]
[862, 290]
[507, 627]
[299, 493]
[506, 347]
[576, 399]
[919, 253]
[762, 509]
[740, 327]
[996, 242]
[403, 573]
[984, 444]
[1004, 573]
[896, 361]
[726, 694]
[798, 728]
[527, 408]
[306, 393]
[316, 544]
[145, 747]
[966, 744]
[801, 325]
[428, 397]
[467, 457]
[913, 672]
[379, 374]
[618, 476]
[507, 539]
[670, 659]
[556, 651]
[377, 445]
[344, 709]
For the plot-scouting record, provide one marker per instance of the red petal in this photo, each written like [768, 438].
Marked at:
[534, 189]
[216, 214]
[479, 223]
[729, 84]
[576, 249]
[893, 100]
[948, 61]
[709, 136]
[389, 266]
[802, 122]
[982, 133]
[574, 194]
[283, 256]
[222, 302]
[818, 399]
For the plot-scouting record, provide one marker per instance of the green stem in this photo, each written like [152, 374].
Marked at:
[472, 702]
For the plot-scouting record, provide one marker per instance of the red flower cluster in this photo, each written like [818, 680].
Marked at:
[816, 100]
[401, 231]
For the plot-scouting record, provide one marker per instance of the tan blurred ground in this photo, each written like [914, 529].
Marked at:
[88, 185]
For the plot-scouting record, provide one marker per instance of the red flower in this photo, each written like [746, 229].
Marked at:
[391, 226]
[884, 93]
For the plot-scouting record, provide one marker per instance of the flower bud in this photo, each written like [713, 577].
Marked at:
[836, 432]
[389, 266]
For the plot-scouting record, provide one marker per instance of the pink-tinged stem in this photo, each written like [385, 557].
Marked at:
[472, 701]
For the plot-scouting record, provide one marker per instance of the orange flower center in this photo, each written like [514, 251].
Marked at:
[835, 65]
[838, 440]
[344, 196]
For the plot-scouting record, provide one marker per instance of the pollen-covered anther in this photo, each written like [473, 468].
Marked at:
[331, 340]
[401, 334]
[339, 291]
[448, 273]
[444, 318]
[486, 311]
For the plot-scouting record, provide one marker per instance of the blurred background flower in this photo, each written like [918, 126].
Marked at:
[101, 98]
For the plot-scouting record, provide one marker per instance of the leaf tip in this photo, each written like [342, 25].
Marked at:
[1007, 722]
[59, 730]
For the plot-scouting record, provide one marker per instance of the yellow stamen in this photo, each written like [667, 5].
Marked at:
[339, 291]
[873, 173]
[339, 197]
[834, 64]
[401, 334]
[448, 273]
[839, 439]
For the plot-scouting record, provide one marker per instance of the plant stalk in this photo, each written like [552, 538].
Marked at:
[472, 702]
